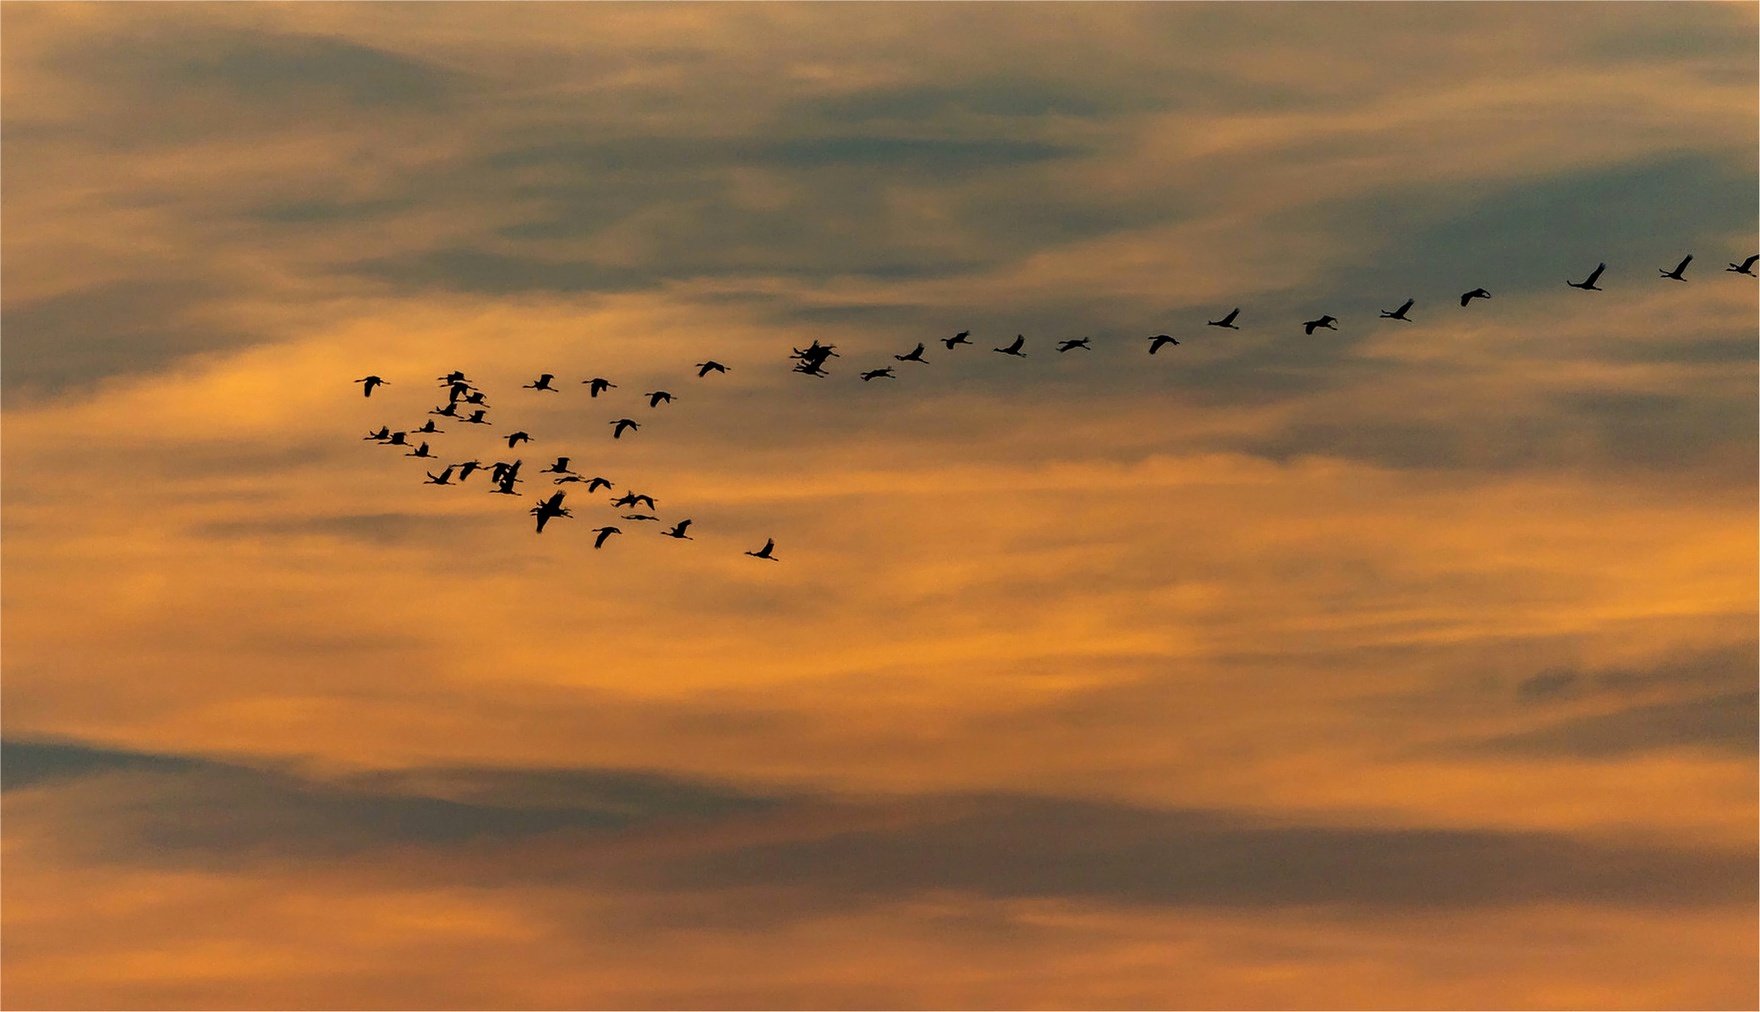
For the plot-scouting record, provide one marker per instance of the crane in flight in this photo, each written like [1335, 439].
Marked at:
[551, 507]
[1400, 313]
[960, 338]
[370, 382]
[1015, 348]
[1679, 269]
[1325, 321]
[1588, 283]
[1158, 340]
[1227, 321]
[1745, 267]
[1477, 293]
[764, 553]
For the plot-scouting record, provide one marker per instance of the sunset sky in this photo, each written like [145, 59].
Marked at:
[1407, 665]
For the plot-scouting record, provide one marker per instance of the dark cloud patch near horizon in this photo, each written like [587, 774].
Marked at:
[172, 810]
[1729, 722]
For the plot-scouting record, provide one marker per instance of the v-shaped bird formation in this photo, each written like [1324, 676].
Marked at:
[503, 476]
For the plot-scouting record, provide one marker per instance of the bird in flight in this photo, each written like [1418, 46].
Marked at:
[1477, 293]
[1227, 321]
[420, 451]
[443, 478]
[1679, 269]
[812, 369]
[476, 398]
[603, 532]
[632, 499]
[541, 383]
[764, 553]
[516, 438]
[623, 423]
[640, 516]
[1070, 345]
[704, 368]
[598, 483]
[1400, 313]
[874, 374]
[560, 467]
[1015, 348]
[915, 355]
[656, 396]
[551, 507]
[678, 531]
[1324, 321]
[428, 428]
[382, 435]
[371, 382]
[1588, 283]
[477, 418]
[449, 411]
[465, 469]
[959, 338]
[455, 376]
[1158, 340]
[1745, 267]
[397, 439]
[598, 385]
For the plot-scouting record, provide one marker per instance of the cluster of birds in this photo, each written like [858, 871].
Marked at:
[464, 396]
[504, 475]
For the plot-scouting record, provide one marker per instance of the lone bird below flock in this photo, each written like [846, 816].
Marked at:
[1588, 283]
[1227, 321]
[764, 553]
[1679, 269]
[1073, 344]
[1477, 293]
[1400, 313]
[371, 382]
[1745, 267]
[1158, 340]
[1325, 321]
[623, 423]
[1015, 348]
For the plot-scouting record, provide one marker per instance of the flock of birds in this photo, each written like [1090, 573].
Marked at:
[467, 404]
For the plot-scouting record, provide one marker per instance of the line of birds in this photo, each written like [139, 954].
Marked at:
[811, 361]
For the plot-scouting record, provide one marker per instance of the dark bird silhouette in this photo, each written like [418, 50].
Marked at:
[476, 398]
[565, 479]
[873, 374]
[1745, 267]
[1400, 313]
[551, 507]
[1158, 340]
[915, 355]
[1081, 343]
[1588, 283]
[457, 390]
[705, 368]
[560, 467]
[656, 396]
[678, 531]
[598, 483]
[541, 383]
[1227, 321]
[465, 469]
[452, 377]
[428, 428]
[443, 478]
[603, 532]
[370, 382]
[959, 338]
[516, 438]
[633, 499]
[1324, 321]
[505, 476]
[640, 516]
[477, 418]
[1477, 293]
[420, 451]
[449, 411]
[621, 424]
[1013, 349]
[812, 369]
[382, 435]
[764, 553]
[397, 439]
[1679, 269]
[598, 385]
